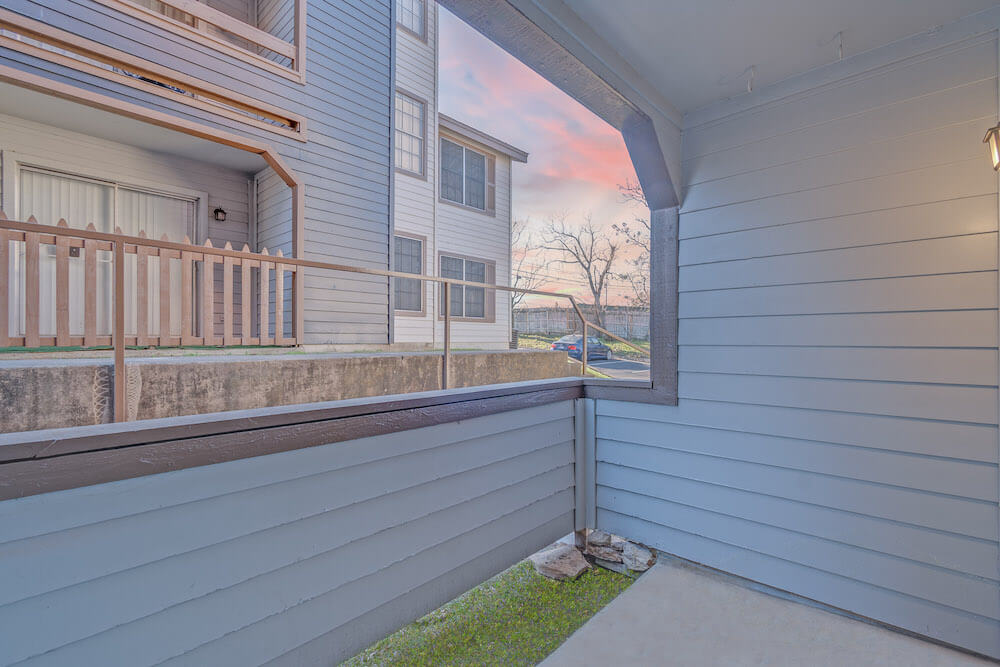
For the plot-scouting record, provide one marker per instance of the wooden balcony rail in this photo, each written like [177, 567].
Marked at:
[154, 280]
[65, 239]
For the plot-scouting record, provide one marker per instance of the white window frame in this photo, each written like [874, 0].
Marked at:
[422, 311]
[489, 266]
[422, 33]
[487, 183]
[422, 137]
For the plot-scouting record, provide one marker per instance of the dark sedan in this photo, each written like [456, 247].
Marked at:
[573, 346]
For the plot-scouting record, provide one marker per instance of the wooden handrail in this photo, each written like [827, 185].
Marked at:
[232, 25]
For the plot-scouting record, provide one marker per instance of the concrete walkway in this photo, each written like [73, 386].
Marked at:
[677, 614]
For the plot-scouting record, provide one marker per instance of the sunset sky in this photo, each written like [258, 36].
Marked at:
[576, 160]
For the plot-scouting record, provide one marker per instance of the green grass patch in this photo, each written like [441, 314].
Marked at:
[618, 350]
[515, 618]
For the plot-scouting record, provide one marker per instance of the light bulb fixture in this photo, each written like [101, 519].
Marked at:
[219, 214]
[992, 139]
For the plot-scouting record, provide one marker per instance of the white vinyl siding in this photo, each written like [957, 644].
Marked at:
[410, 14]
[410, 133]
[409, 258]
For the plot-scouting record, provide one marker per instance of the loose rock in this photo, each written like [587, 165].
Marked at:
[599, 538]
[637, 558]
[611, 565]
[562, 562]
[618, 543]
[604, 553]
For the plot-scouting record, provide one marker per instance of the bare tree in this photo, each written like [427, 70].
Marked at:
[589, 250]
[637, 234]
[524, 274]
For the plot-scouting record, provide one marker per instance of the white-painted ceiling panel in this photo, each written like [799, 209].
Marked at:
[699, 51]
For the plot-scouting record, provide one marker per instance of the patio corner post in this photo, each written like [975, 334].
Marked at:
[446, 355]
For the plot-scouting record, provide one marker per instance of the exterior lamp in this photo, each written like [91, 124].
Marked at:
[219, 214]
[992, 138]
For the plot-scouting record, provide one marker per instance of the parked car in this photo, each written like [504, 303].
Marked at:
[573, 346]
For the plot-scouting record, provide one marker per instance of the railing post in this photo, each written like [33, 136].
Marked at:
[446, 357]
[120, 397]
[583, 350]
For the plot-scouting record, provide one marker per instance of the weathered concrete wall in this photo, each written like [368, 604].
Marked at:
[53, 393]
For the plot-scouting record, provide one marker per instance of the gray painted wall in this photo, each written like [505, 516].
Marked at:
[345, 164]
[302, 557]
[836, 433]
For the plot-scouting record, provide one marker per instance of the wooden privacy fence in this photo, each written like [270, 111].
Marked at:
[158, 271]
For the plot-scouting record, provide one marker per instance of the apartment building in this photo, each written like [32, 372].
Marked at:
[452, 202]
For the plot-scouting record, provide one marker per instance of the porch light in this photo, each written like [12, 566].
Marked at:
[993, 139]
[220, 215]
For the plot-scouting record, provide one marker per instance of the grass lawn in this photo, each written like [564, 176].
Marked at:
[516, 618]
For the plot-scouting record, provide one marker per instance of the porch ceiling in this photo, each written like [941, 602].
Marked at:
[695, 53]
[55, 111]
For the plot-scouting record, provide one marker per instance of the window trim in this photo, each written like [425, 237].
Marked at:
[490, 297]
[423, 146]
[296, 72]
[407, 30]
[423, 284]
[491, 165]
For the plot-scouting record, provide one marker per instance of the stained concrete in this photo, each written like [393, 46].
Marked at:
[677, 614]
[39, 393]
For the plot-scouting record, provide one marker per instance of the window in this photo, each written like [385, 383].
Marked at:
[469, 302]
[409, 258]
[410, 14]
[468, 177]
[409, 134]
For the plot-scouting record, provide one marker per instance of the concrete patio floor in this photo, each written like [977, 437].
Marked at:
[680, 614]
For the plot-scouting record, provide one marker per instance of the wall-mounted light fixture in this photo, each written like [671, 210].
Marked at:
[219, 214]
[993, 140]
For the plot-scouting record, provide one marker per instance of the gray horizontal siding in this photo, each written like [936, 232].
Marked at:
[345, 164]
[836, 432]
[243, 562]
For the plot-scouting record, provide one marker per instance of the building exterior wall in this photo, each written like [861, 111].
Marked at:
[443, 227]
[345, 164]
[300, 557]
[836, 432]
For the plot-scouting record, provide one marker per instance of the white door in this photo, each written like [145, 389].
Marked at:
[81, 201]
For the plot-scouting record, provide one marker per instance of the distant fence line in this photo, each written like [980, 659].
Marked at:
[621, 321]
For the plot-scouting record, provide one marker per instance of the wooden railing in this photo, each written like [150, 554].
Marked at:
[157, 265]
[64, 239]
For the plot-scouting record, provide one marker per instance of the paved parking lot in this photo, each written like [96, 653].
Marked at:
[622, 369]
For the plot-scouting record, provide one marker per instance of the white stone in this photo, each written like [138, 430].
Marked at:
[618, 543]
[637, 558]
[562, 562]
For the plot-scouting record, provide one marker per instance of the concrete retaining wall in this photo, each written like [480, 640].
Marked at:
[54, 393]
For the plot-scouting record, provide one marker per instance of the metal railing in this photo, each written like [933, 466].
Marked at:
[90, 240]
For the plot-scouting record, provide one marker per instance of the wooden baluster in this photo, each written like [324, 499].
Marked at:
[142, 293]
[90, 289]
[265, 292]
[187, 296]
[245, 305]
[227, 298]
[62, 287]
[279, 301]
[31, 296]
[165, 257]
[5, 283]
[208, 296]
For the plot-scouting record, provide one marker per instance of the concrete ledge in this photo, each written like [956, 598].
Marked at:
[46, 393]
